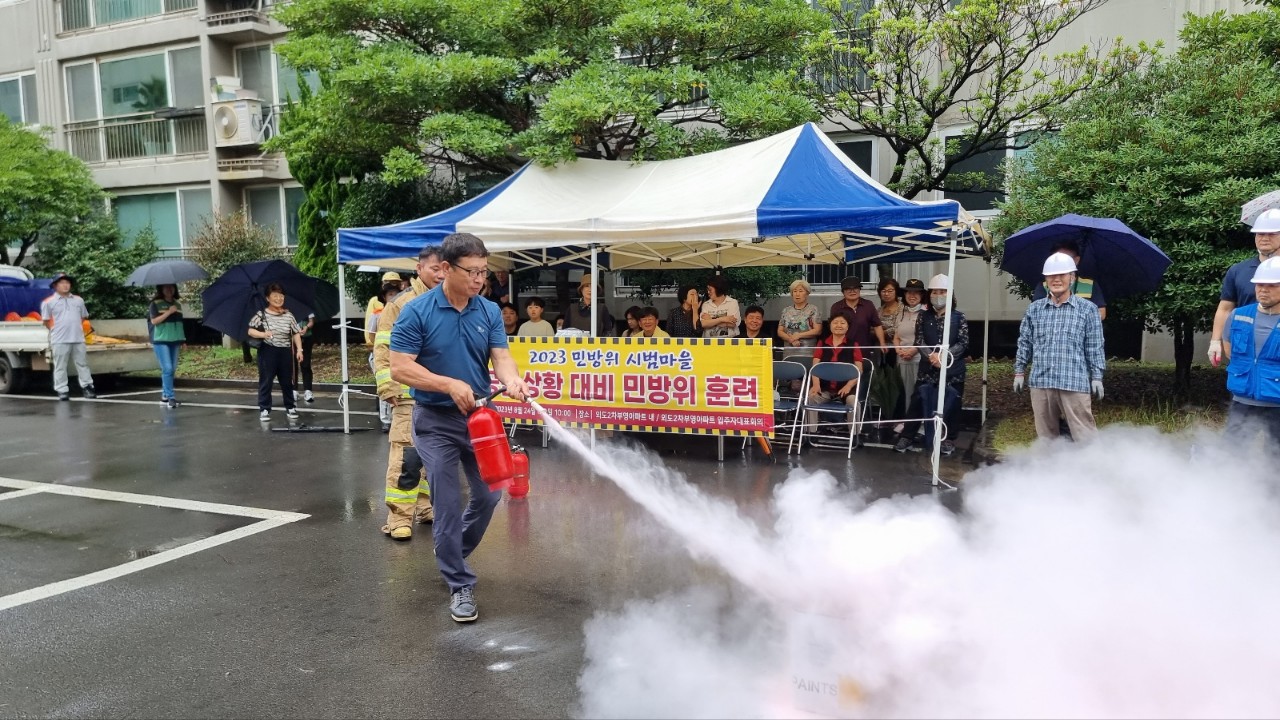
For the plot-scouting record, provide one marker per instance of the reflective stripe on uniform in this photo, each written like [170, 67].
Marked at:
[397, 496]
[382, 376]
[423, 488]
[382, 337]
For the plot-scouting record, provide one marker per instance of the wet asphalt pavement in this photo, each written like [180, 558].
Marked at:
[320, 617]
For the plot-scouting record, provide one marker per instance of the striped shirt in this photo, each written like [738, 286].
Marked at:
[282, 327]
[1062, 343]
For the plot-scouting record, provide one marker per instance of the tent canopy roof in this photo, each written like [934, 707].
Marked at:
[790, 199]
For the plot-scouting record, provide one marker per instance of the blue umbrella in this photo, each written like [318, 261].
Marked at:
[1120, 260]
[236, 296]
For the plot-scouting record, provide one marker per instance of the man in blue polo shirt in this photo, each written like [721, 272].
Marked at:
[1237, 286]
[441, 346]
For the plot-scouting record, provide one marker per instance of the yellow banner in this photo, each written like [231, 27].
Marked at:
[714, 386]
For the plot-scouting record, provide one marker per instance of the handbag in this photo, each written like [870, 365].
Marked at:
[258, 323]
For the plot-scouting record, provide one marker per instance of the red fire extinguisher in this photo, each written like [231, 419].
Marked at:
[489, 440]
[520, 481]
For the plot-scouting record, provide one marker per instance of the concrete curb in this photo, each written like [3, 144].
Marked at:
[216, 383]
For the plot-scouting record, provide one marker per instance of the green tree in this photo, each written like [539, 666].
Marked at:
[39, 188]
[482, 86]
[93, 251]
[378, 202]
[222, 241]
[1173, 152]
[903, 70]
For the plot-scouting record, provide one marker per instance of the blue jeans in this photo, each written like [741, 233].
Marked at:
[167, 354]
[440, 436]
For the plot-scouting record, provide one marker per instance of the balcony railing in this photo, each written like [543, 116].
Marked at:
[231, 12]
[144, 135]
[84, 14]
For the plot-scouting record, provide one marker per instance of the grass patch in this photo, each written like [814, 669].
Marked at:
[1137, 394]
[216, 362]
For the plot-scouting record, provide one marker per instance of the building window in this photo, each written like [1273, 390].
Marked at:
[843, 73]
[18, 100]
[859, 151]
[132, 85]
[81, 14]
[174, 216]
[265, 73]
[983, 186]
[276, 208]
[158, 211]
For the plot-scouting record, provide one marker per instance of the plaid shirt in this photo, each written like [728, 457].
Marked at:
[1063, 344]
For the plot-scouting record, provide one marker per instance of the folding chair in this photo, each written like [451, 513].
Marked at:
[787, 404]
[837, 372]
[786, 401]
[865, 400]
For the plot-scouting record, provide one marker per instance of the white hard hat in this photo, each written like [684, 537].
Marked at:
[1267, 222]
[940, 282]
[1268, 272]
[1059, 264]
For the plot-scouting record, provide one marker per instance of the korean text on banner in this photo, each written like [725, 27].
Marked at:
[715, 386]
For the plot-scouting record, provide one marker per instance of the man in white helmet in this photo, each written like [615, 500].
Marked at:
[1237, 286]
[1253, 345]
[1061, 338]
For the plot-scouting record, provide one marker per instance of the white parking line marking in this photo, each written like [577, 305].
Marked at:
[155, 500]
[21, 493]
[64, 586]
[127, 394]
[267, 519]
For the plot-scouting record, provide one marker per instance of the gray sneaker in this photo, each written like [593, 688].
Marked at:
[903, 444]
[462, 605]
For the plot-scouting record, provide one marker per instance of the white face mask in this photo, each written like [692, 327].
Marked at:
[939, 301]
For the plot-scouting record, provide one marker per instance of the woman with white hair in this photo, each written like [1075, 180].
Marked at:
[800, 324]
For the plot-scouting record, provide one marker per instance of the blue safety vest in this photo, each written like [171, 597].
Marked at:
[1252, 374]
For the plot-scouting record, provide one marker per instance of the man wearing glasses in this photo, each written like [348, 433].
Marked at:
[441, 346]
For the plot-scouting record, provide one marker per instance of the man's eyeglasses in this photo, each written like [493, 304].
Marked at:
[475, 274]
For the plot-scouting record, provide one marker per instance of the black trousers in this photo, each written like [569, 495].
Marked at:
[275, 363]
[304, 367]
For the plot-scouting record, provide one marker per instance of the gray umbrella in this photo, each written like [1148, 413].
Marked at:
[166, 272]
[1255, 207]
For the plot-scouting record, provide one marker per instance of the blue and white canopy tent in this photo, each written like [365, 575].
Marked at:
[790, 199]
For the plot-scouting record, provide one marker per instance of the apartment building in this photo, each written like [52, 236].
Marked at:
[167, 101]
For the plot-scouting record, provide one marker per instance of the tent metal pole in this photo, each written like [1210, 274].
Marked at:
[595, 302]
[342, 338]
[944, 357]
[986, 344]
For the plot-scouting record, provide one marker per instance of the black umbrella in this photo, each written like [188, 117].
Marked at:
[166, 272]
[236, 296]
[327, 302]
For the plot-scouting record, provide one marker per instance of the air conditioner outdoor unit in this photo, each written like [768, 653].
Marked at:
[237, 122]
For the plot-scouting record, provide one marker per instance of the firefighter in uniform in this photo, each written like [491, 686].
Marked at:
[407, 493]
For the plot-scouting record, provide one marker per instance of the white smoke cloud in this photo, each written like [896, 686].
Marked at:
[1138, 576]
